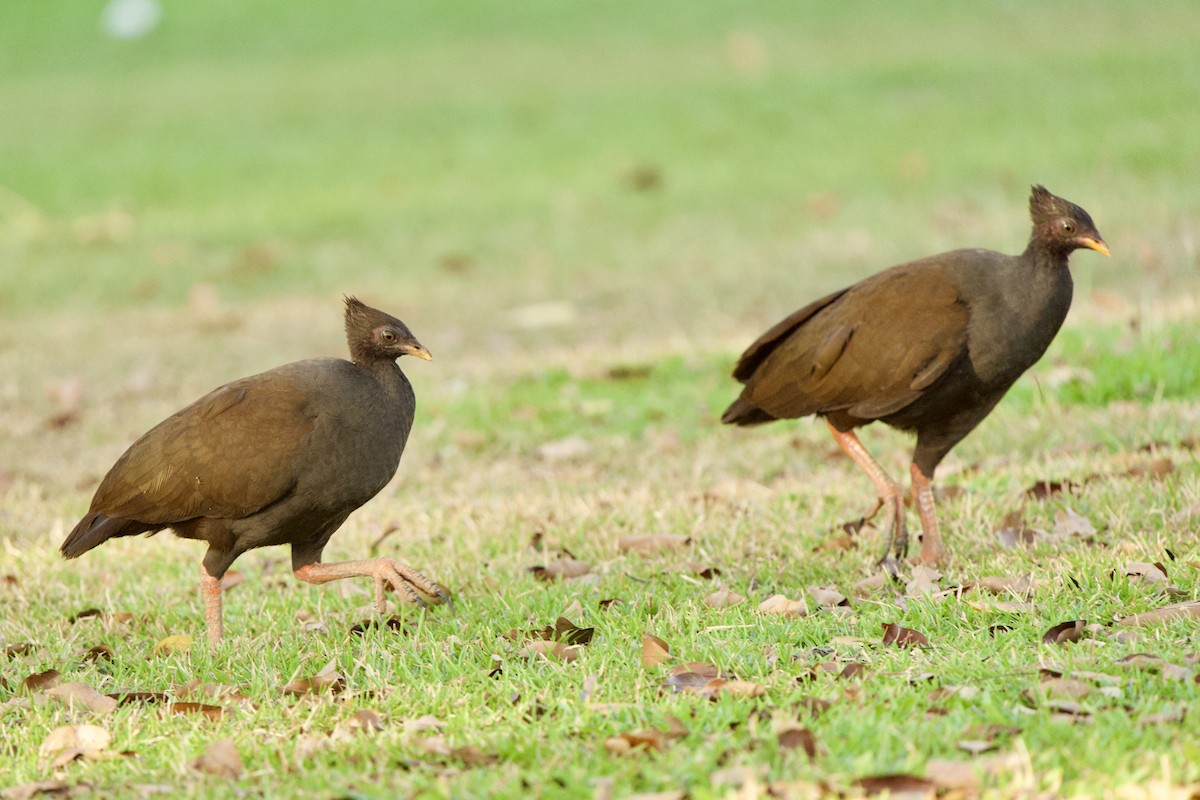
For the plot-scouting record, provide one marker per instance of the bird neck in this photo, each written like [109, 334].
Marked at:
[1045, 253]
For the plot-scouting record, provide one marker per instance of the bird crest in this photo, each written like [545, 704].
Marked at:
[1046, 207]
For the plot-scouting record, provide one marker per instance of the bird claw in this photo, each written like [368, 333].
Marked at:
[409, 583]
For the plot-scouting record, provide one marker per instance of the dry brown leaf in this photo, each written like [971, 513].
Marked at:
[26, 791]
[792, 738]
[80, 739]
[654, 650]
[642, 740]
[564, 569]
[41, 681]
[1069, 688]
[19, 649]
[559, 651]
[646, 545]
[1019, 585]
[1175, 611]
[208, 711]
[897, 786]
[723, 598]
[827, 596]
[565, 631]
[778, 604]
[1064, 632]
[80, 694]
[1168, 715]
[180, 642]
[894, 634]
[1069, 523]
[964, 775]
[221, 758]
[869, 586]
[923, 582]
[231, 579]
[327, 680]
[99, 652]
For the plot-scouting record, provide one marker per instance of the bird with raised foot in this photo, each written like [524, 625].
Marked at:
[282, 457]
[929, 347]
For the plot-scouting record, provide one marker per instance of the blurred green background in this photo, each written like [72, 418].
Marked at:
[671, 165]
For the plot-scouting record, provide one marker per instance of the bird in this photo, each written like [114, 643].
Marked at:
[929, 347]
[281, 457]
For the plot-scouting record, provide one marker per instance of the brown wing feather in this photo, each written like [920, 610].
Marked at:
[868, 351]
[777, 334]
[227, 455]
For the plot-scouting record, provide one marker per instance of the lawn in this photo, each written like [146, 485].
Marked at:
[586, 212]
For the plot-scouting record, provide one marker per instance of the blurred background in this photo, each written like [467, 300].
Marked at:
[187, 189]
[689, 164]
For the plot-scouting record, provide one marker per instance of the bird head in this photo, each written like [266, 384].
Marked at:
[1061, 226]
[376, 336]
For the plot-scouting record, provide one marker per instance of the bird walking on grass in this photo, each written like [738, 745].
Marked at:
[929, 347]
[282, 457]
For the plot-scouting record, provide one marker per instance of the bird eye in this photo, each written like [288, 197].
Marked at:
[1068, 226]
[388, 336]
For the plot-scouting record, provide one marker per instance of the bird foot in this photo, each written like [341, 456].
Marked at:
[895, 534]
[932, 553]
[408, 583]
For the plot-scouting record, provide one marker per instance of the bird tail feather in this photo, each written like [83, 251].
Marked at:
[95, 529]
[742, 412]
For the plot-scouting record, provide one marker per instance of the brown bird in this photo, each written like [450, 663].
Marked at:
[929, 346]
[282, 457]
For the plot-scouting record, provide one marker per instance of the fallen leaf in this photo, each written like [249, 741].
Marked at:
[803, 738]
[208, 711]
[328, 679]
[172, 644]
[723, 598]
[1069, 688]
[80, 738]
[566, 631]
[1043, 489]
[645, 739]
[19, 649]
[1171, 714]
[558, 650]
[963, 776]
[81, 694]
[1175, 611]
[897, 786]
[894, 634]
[98, 652]
[869, 586]
[561, 569]
[652, 544]
[778, 604]
[231, 579]
[923, 582]
[41, 681]
[1069, 523]
[827, 596]
[654, 650]
[1019, 585]
[220, 758]
[26, 791]
[1064, 632]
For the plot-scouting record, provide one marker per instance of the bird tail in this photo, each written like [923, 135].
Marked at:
[743, 412]
[97, 528]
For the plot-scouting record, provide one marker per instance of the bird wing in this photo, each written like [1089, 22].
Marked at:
[869, 350]
[227, 455]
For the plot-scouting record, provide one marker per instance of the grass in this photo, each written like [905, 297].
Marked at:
[586, 214]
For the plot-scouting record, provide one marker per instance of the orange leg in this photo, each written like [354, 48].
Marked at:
[931, 538]
[210, 590]
[890, 494]
[384, 571]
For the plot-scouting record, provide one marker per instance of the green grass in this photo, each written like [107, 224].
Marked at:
[672, 178]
